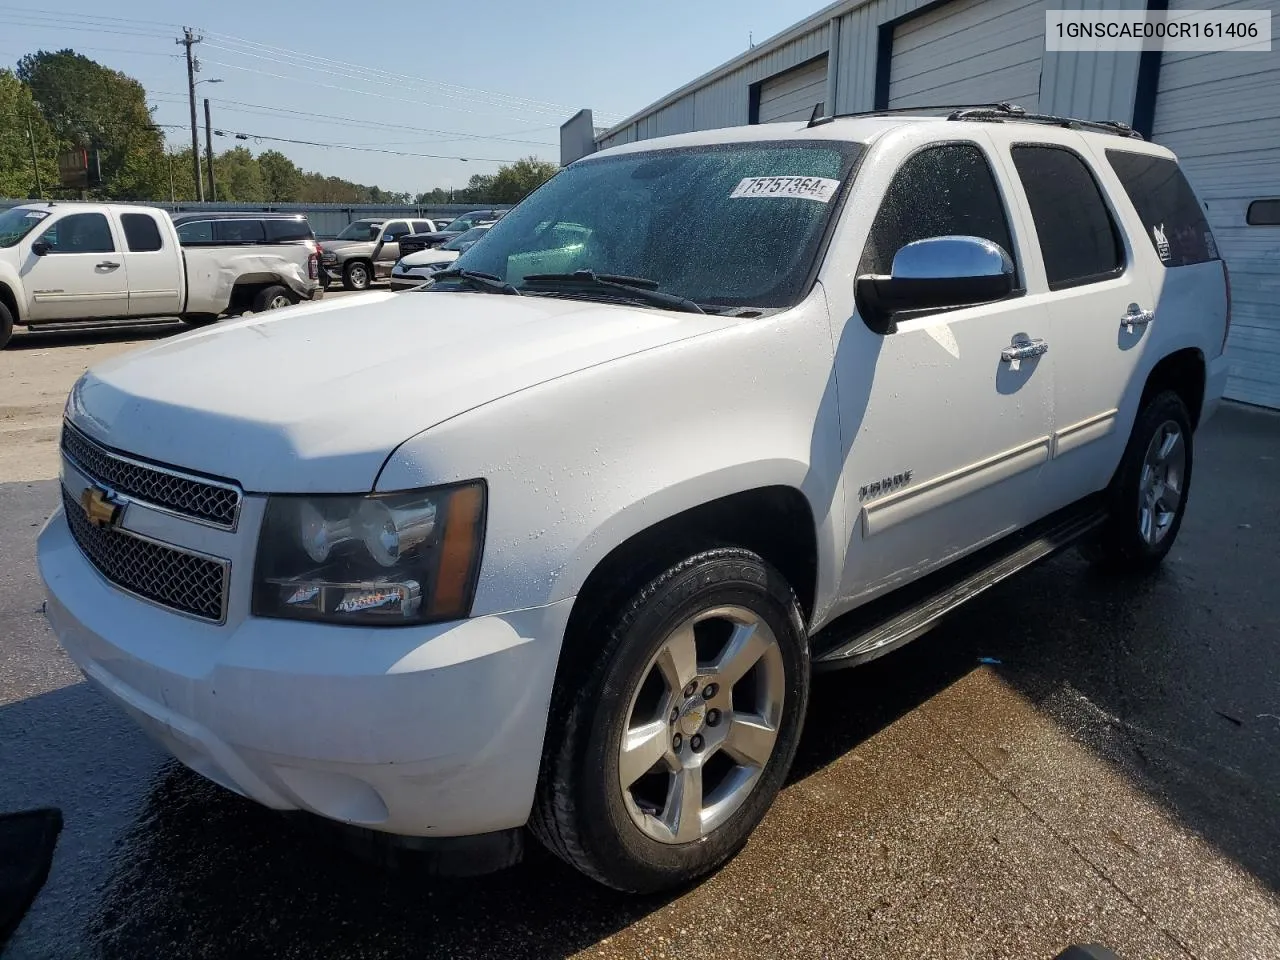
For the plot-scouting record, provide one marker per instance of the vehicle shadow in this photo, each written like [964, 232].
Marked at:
[86, 334]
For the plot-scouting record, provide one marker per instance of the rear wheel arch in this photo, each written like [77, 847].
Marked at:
[1183, 372]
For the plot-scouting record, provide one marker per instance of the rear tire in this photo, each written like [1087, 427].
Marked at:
[272, 298]
[629, 749]
[6, 326]
[357, 275]
[1148, 496]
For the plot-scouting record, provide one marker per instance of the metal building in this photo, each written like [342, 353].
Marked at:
[1220, 112]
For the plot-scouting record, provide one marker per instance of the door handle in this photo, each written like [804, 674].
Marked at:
[1136, 317]
[108, 265]
[1024, 350]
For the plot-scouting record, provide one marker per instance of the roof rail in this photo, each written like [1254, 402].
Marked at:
[999, 115]
[994, 113]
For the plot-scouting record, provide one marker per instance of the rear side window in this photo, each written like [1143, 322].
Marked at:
[288, 231]
[239, 231]
[941, 191]
[1078, 239]
[141, 233]
[423, 226]
[1166, 204]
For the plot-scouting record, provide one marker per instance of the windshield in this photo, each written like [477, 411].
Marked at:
[360, 230]
[721, 225]
[462, 241]
[17, 223]
[456, 226]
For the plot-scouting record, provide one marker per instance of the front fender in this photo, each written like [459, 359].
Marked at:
[578, 465]
[10, 280]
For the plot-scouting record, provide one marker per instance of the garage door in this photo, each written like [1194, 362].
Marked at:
[1220, 112]
[969, 51]
[792, 95]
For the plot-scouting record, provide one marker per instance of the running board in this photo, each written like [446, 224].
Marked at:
[885, 624]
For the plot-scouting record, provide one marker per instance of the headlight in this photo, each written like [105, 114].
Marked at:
[396, 558]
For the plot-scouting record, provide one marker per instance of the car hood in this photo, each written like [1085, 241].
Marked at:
[313, 399]
[333, 246]
[424, 257]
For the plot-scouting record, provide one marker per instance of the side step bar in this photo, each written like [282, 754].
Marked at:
[874, 630]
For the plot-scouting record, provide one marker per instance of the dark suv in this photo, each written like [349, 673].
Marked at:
[417, 242]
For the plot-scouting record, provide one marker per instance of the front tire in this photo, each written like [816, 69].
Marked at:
[665, 752]
[1148, 497]
[6, 326]
[356, 275]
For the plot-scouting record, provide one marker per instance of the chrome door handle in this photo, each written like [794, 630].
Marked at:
[1137, 317]
[108, 265]
[1024, 350]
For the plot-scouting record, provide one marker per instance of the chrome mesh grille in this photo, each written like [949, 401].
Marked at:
[172, 578]
[211, 502]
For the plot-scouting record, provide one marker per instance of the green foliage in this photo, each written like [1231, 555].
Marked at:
[17, 179]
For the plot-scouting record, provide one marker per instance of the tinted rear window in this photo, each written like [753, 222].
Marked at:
[239, 231]
[1174, 222]
[141, 232]
[284, 231]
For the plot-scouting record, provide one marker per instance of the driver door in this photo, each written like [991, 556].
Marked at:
[82, 275]
[388, 249]
[944, 439]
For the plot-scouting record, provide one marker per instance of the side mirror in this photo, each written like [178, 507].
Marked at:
[936, 274]
[40, 248]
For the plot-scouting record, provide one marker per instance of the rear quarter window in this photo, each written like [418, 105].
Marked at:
[239, 231]
[1175, 223]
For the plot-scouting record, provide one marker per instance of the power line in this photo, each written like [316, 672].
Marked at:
[80, 29]
[239, 135]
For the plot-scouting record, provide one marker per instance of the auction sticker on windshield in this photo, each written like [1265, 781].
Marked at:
[821, 189]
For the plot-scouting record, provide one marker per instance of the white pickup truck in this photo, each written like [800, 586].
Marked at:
[101, 261]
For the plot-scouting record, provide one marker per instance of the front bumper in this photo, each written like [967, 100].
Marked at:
[431, 731]
[406, 281]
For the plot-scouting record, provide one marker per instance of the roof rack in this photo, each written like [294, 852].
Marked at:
[994, 113]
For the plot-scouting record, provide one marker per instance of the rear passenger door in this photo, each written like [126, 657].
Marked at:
[152, 263]
[1092, 288]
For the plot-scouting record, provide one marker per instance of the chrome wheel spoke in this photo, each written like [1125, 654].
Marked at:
[642, 748]
[1146, 524]
[678, 661]
[743, 651]
[683, 813]
[1171, 440]
[750, 740]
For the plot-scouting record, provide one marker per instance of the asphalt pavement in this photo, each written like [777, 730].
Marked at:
[1073, 758]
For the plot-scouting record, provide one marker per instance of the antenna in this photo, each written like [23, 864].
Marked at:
[813, 117]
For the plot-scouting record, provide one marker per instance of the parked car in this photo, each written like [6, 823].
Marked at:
[416, 242]
[416, 268]
[564, 547]
[101, 261]
[367, 249]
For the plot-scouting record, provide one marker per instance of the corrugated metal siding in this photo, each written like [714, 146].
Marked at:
[969, 51]
[1096, 86]
[794, 94]
[1220, 112]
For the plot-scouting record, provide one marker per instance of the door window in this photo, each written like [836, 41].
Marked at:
[941, 191]
[141, 233]
[80, 233]
[288, 231]
[395, 231]
[1079, 240]
[1167, 207]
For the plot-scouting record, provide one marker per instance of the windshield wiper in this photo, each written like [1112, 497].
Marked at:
[480, 281]
[636, 288]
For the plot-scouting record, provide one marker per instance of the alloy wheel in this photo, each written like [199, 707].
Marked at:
[1160, 485]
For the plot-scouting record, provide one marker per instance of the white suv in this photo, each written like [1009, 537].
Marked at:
[559, 539]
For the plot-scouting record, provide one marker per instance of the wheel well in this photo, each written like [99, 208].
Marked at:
[244, 291]
[10, 301]
[774, 522]
[1183, 373]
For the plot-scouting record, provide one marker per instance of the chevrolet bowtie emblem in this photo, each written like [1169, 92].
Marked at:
[98, 507]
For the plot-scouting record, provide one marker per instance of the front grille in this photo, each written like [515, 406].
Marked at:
[408, 246]
[205, 500]
[170, 577]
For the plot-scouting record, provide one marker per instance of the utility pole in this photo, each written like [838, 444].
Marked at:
[35, 166]
[189, 40]
[208, 146]
[173, 194]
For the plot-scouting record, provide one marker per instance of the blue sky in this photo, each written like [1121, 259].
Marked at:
[421, 78]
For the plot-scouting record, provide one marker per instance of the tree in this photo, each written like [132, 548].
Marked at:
[238, 176]
[17, 179]
[281, 177]
[88, 105]
[513, 182]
